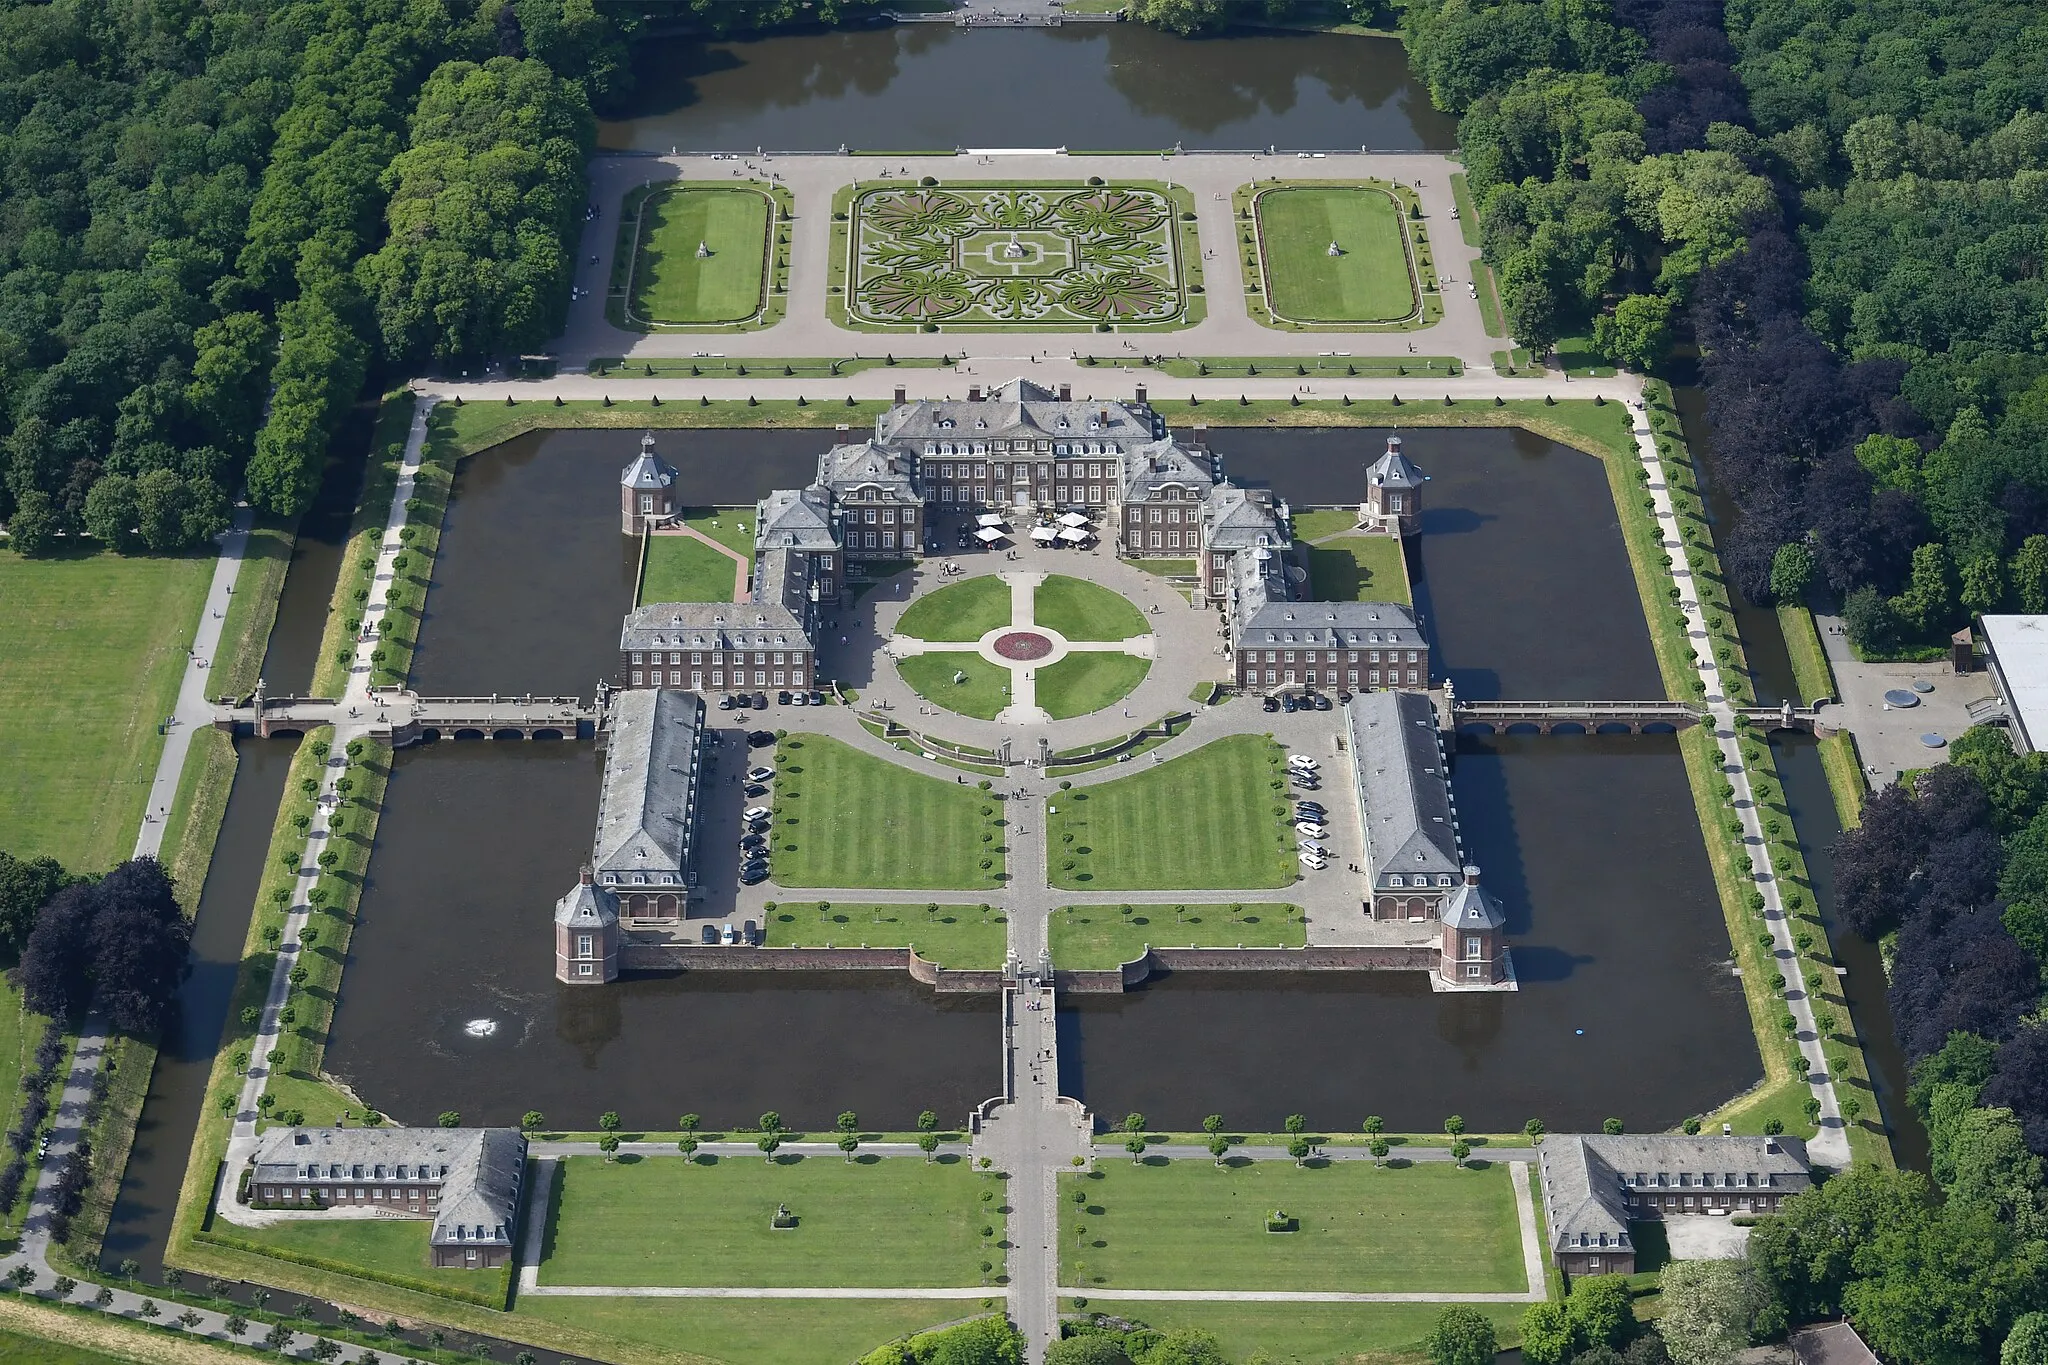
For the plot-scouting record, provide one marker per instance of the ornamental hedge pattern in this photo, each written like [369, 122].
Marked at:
[994, 255]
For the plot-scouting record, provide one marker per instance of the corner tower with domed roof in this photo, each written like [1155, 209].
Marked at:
[1393, 494]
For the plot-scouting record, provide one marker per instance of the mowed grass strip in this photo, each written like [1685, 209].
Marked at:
[1382, 1332]
[395, 1246]
[1361, 1229]
[1103, 936]
[685, 569]
[92, 647]
[1081, 683]
[861, 821]
[1203, 820]
[748, 1331]
[980, 694]
[950, 935]
[1085, 611]
[958, 612]
[889, 1222]
[1358, 569]
[1368, 283]
[672, 283]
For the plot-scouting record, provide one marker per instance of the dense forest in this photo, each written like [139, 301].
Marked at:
[217, 222]
[1846, 212]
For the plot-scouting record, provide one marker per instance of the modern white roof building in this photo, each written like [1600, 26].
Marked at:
[2016, 648]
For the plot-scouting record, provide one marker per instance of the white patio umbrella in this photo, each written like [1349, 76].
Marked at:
[1041, 534]
[1071, 536]
[988, 519]
[988, 535]
[1073, 519]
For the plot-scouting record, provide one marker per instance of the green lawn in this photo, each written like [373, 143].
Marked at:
[931, 676]
[1358, 569]
[1081, 683]
[20, 1350]
[1368, 283]
[732, 527]
[959, 612]
[681, 569]
[748, 1331]
[1195, 821]
[91, 651]
[671, 283]
[1320, 1332]
[1362, 1229]
[1081, 610]
[951, 935]
[843, 818]
[392, 1246]
[894, 1222]
[1165, 568]
[1100, 936]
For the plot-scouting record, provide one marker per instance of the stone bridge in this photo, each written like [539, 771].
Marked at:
[1611, 717]
[402, 718]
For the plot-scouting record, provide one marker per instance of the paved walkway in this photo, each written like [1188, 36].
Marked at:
[1227, 330]
[1888, 737]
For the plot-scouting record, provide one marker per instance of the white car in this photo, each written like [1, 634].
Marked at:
[756, 813]
[1313, 863]
[1314, 849]
[1309, 831]
[1300, 761]
[760, 774]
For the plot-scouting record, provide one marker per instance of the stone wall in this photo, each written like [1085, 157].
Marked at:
[690, 957]
[1111, 981]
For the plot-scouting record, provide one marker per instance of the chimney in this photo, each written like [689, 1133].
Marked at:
[1471, 875]
[1066, 393]
[1771, 1145]
[584, 877]
[974, 393]
[1140, 394]
[899, 393]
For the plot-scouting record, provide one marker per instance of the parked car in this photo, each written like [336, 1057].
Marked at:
[760, 774]
[754, 789]
[728, 702]
[756, 813]
[1271, 703]
[782, 698]
[728, 935]
[1315, 806]
[817, 698]
[1289, 704]
[1313, 864]
[1322, 702]
[751, 932]
[753, 874]
[799, 699]
[760, 701]
[710, 934]
[1343, 699]
[760, 739]
[1310, 830]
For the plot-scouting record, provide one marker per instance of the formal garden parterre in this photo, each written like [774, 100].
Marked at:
[700, 257]
[994, 256]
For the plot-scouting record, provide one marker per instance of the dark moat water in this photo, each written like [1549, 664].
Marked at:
[1627, 1008]
[294, 648]
[1105, 87]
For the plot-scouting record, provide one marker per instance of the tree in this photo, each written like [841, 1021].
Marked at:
[1298, 1147]
[1135, 1145]
[26, 885]
[1602, 1309]
[1374, 1125]
[1548, 1334]
[2030, 575]
[927, 1121]
[1708, 1309]
[1533, 1130]
[1454, 1125]
[1611, 1127]
[608, 1121]
[689, 1123]
[1296, 1123]
[450, 1119]
[687, 1145]
[849, 1143]
[1134, 1123]
[1212, 1124]
[609, 1145]
[1637, 333]
[768, 1142]
[1792, 572]
[1187, 1346]
[1462, 1335]
[849, 1122]
[770, 1122]
[1184, 17]
[1219, 1147]
[928, 1143]
[1101, 1350]
[236, 1324]
[2027, 1342]
[1379, 1148]
[33, 528]
[532, 1121]
[110, 511]
[1460, 1150]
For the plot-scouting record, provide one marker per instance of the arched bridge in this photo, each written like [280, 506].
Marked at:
[1632, 717]
[402, 718]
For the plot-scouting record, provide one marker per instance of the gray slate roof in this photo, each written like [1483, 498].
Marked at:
[480, 1170]
[1585, 1175]
[648, 470]
[587, 906]
[1472, 906]
[646, 812]
[795, 518]
[1327, 625]
[712, 625]
[1155, 466]
[868, 464]
[1237, 518]
[1394, 469]
[1403, 786]
[1019, 408]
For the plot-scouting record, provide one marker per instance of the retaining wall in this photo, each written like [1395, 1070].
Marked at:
[689, 957]
[1115, 980]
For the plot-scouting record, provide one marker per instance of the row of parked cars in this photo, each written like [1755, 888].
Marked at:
[758, 701]
[755, 824]
[1311, 821]
[1307, 701]
[747, 934]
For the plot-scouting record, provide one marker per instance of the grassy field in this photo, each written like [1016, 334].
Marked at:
[392, 1246]
[1081, 683]
[1380, 1333]
[732, 527]
[35, 1332]
[1369, 282]
[845, 819]
[1359, 569]
[91, 651]
[1810, 667]
[931, 676]
[958, 612]
[671, 283]
[21, 1350]
[1189, 823]
[683, 569]
[741, 1331]
[1092, 936]
[892, 1222]
[1081, 610]
[1362, 1229]
[951, 935]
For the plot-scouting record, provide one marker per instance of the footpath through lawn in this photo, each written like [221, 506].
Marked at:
[891, 1222]
[1210, 819]
[1187, 1224]
[843, 818]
